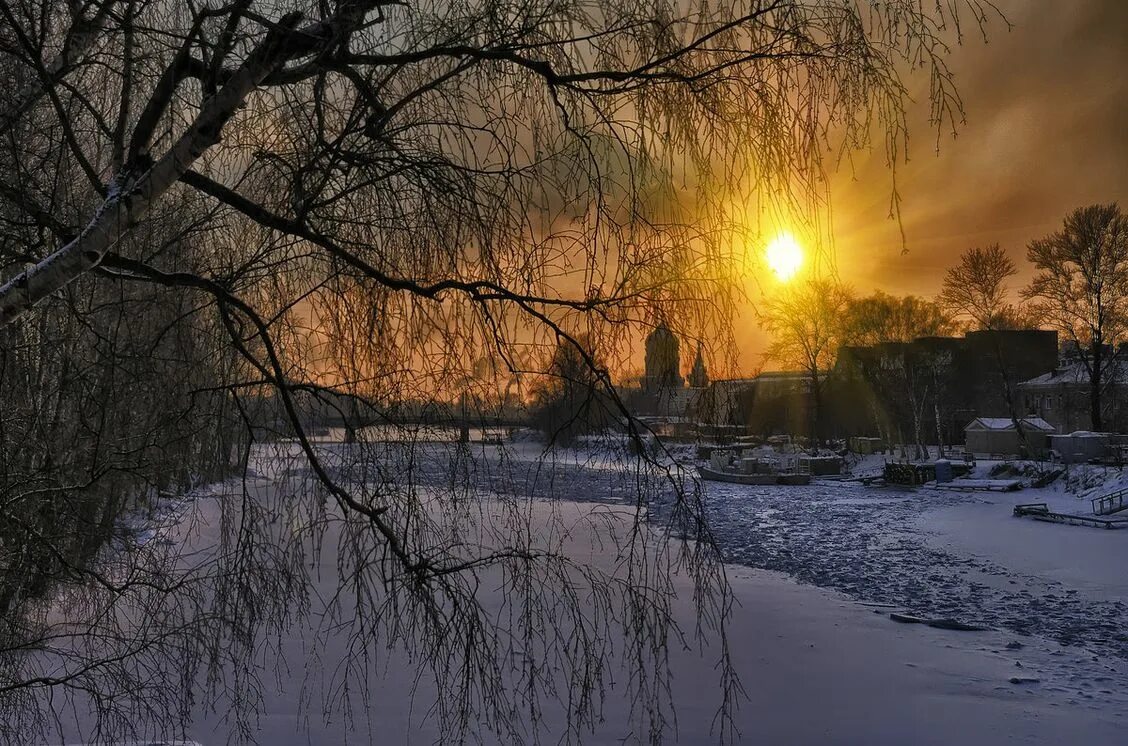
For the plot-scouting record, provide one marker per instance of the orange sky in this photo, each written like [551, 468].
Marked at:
[1047, 131]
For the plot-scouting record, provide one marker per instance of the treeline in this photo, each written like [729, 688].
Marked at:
[110, 396]
[1079, 288]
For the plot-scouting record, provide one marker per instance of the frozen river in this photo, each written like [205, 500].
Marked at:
[936, 553]
[819, 667]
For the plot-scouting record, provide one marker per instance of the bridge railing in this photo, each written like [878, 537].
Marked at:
[1114, 502]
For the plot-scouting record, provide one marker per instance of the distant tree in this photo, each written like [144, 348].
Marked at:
[1018, 316]
[1082, 288]
[976, 291]
[886, 318]
[662, 360]
[570, 400]
[881, 318]
[976, 288]
[806, 325]
[905, 382]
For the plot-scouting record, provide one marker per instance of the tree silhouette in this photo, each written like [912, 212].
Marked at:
[885, 318]
[354, 201]
[807, 327]
[569, 400]
[1081, 288]
[976, 288]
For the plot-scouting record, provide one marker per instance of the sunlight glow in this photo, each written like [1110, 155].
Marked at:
[785, 256]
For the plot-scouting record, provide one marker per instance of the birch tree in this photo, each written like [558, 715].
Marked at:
[372, 195]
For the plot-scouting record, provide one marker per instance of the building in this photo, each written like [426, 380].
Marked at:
[925, 391]
[1081, 447]
[993, 363]
[771, 403]
[698, 375]
[1061, 396]
[987, 436]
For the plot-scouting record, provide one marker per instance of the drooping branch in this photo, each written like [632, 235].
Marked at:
[80, 38]
[129, 199]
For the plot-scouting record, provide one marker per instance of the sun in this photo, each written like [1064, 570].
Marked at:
[785, 256]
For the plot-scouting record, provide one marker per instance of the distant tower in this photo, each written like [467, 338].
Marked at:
[663, 364]
[699, 377]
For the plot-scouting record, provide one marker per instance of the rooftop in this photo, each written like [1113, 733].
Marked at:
[1006, 423]
[1077, 373]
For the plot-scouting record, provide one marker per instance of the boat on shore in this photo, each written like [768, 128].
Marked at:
[782, 478]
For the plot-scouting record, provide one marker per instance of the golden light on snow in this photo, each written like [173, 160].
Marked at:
[784, 256]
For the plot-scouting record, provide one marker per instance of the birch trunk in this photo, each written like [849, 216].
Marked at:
[127, 203]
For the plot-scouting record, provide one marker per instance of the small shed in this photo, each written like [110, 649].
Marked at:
[1081, 446]
[865, 446]
[998, 435]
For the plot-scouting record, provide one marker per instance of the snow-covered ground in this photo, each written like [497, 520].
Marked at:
[939, 553]
[826, 664]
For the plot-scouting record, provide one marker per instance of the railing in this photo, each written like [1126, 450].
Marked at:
[1041, 512]
[1113, 502]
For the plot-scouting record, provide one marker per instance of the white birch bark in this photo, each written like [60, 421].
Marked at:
[126, 204]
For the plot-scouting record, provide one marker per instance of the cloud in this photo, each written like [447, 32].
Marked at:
[1047, 111]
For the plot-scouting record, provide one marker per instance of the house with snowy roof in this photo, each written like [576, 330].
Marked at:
[987, 436]
[1061, 397]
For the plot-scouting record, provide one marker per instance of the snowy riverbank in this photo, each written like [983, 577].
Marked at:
[821, 665]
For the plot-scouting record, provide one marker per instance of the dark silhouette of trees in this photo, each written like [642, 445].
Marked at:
[213, 211]
[918, 376]
[568, 400]
[881, 318]
[1081, 288]
[975, 289]
[805, 321]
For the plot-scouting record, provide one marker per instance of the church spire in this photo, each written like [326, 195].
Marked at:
[699, 377]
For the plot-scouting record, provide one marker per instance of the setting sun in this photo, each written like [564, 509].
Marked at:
[785, 256]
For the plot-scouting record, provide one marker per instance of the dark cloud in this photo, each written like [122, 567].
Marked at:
[1047, 130]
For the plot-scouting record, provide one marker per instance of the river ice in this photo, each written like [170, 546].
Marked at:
[821, 665]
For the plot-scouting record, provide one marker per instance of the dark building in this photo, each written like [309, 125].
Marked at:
[698, 375]
[927, 390]
[1061, 396]
[995, 362]
[772, 403]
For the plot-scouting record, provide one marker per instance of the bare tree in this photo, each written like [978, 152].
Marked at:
[885, 318]
[976, 288]
[1082, 288]
[879, 319]
[375, 196]
[976, 291]
[806, 324]
[568, 401]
